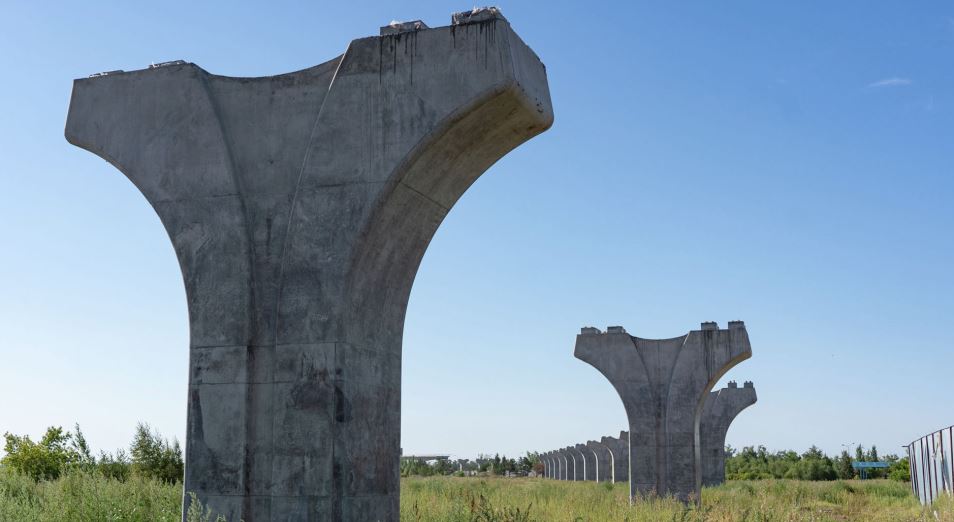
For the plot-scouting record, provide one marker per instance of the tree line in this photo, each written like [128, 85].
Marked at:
[753, 463]
[59, 451]
[495, 465]
[153, 456]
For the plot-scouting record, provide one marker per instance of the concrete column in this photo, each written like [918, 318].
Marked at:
[604, 461]
[589, 462]
[580, 458]
[719, 411]
[567, 463]
[299, 207]
[619, 448]
[663, 385]
[575, 471]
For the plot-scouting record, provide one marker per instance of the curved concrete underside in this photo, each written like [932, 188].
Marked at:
[721, 408]
[299, 207]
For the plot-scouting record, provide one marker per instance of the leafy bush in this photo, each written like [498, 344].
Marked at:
[117, 468]
[60, 451]
[43, 460]
[900, 470]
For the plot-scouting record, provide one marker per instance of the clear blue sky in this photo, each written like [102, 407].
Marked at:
[788, 164]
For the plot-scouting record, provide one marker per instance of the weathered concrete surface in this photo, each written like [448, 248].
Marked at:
[604, 461]
[663, 385]
[619, 447]
[589, 462]
[719, 411]
[299, 207]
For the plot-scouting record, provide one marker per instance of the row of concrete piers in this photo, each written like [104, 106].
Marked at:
[677, 425]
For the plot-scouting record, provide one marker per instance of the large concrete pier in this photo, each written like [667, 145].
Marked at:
[663, 384]
[299, 207]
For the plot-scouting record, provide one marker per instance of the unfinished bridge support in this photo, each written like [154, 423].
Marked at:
[589, 461]
[619, 447]
[578, 467]
[551, 465]
[300, 206]
[604, 461]
[663, 385]
[721, 408]
[564, 465]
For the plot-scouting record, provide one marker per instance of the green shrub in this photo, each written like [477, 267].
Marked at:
[154, 457]
[43, 460]
[900, 470]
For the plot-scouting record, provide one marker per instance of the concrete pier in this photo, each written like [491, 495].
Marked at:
[663, 384]
[579, 464]
[589, 462]
[564, 465]
[721, 408]
[604, 461]
[300, 206]
[619, 447]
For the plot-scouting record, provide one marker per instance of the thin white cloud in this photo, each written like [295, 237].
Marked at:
[891, 82]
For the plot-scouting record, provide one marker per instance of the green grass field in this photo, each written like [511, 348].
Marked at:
[86, 498]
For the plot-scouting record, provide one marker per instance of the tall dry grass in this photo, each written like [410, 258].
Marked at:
[526, 500]
[92, 498]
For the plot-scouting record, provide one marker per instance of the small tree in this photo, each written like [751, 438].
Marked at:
[154, 457]
[843, 468]
[117, 468]
[84, 457]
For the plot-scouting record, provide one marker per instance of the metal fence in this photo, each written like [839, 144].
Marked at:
[932, 465]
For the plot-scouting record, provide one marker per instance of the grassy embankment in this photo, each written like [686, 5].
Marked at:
[81, 498]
